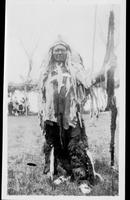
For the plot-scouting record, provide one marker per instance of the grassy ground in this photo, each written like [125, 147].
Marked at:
[25, 145]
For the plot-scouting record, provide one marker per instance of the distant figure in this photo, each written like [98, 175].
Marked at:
[10, 108]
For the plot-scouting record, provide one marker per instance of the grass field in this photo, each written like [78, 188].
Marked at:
[25, 143]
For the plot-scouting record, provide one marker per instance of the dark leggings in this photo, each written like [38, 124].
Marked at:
[71, 155]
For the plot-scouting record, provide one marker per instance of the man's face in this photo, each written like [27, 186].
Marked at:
[60, 53]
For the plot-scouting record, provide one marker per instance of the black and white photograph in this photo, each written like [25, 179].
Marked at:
[64, 100]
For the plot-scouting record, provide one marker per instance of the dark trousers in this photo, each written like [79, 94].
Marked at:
[59, 142]
[70, 154]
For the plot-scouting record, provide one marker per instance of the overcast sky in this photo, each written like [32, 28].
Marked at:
[30, 23]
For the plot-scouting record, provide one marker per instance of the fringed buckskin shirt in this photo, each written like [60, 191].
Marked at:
[62, 90]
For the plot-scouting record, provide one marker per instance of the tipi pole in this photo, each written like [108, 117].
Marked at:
[94, 36]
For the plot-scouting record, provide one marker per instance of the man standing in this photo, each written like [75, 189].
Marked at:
[64, 86]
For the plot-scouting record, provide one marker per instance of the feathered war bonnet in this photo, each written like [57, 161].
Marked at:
[48, 60]
[72, 62]
[68, 50]
[73, 58]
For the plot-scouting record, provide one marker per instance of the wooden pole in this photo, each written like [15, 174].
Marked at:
[26, 111]
[110, 59]
[111, 104]
[94, 36]
[93, 53]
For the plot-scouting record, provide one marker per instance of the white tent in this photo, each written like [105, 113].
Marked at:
[33, 101]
